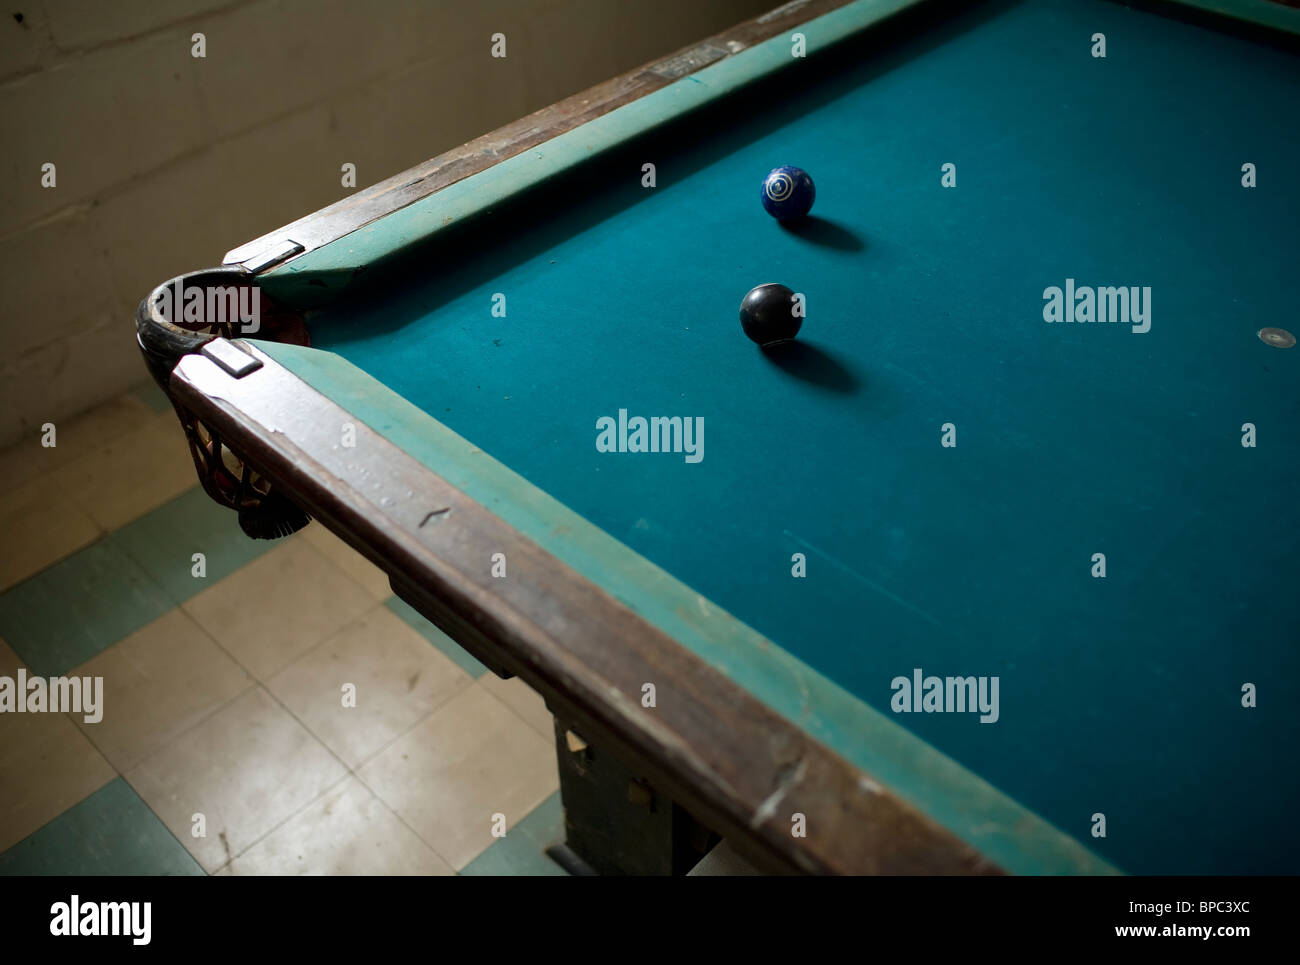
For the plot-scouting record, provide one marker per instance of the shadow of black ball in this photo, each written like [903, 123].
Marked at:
[806, 361]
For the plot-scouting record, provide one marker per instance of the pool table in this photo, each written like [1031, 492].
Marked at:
[993, 569]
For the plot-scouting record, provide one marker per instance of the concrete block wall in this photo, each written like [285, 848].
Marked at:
[164, 161]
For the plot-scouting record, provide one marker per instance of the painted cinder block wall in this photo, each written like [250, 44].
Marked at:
[164, 161]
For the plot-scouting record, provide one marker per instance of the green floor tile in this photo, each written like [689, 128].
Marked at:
[63, 616]
[523, 850]
[152, 396]
[112, 832]
[165, 540]
[436, 637]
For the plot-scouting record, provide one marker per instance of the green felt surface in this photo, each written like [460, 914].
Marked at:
[1271, 14]
[1119, 696]
[112, 832]
[1001, 828]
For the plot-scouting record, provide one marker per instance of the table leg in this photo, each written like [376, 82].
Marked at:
[615, 822]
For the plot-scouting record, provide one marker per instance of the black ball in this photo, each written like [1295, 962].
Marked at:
[767, 315]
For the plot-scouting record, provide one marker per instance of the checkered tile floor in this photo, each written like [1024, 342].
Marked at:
[225, 746]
